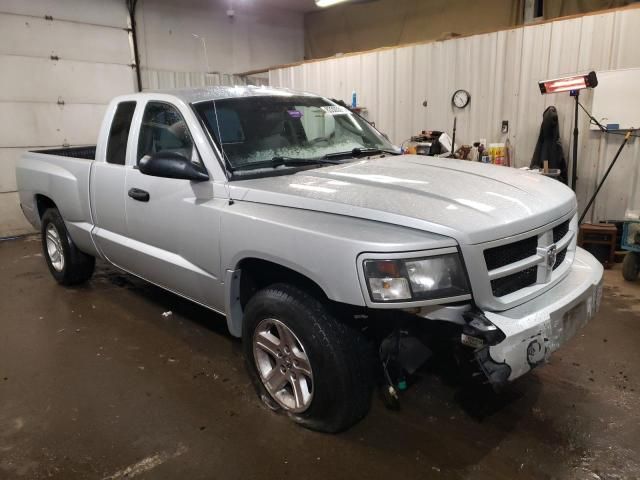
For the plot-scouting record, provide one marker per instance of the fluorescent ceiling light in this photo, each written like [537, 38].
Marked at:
[328, 3]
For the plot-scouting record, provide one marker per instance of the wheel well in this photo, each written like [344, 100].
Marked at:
[44, 203]
[257, 274]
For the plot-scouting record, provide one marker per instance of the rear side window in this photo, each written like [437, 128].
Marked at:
[119, 133]
[163, 129]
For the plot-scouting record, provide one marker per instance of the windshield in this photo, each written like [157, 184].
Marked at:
[253, 131]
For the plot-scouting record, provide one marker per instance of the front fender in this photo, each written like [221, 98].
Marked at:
[320, 246]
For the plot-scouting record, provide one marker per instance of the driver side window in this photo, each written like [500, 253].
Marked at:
[164, 129]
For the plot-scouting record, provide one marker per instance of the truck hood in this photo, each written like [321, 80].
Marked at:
[469, 201]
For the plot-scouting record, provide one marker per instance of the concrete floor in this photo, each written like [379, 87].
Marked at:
[96, 383]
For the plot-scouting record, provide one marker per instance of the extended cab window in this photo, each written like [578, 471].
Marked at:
[164, 129]
[119, 133]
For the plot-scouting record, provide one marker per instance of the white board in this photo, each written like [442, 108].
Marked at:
[616, 99]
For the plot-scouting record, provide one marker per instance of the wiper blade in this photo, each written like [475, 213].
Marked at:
[279, 161]
[358, 152]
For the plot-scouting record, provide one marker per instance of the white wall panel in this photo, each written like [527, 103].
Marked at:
[45, 124]
[501, 71]
[386, 92]
[270, 42]
[26, 36]
[626, 39]
[93, 66]
[104, 12]
[367, 90]
[256, 37]
[8, 159]
[403, 69]
[12, 221]
[72, 82]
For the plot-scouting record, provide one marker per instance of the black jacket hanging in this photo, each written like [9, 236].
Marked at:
[549, 146]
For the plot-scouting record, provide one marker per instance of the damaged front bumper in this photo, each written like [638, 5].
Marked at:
[525, 336]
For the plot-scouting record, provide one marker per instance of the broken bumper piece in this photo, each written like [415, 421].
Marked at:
[535, 329]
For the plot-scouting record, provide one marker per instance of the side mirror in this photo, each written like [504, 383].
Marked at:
[171, 165]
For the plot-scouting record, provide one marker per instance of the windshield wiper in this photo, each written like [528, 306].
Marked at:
[279, 161]
[329, 158]
[358, 152]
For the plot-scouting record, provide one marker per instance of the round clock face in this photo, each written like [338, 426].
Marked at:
[461, 98]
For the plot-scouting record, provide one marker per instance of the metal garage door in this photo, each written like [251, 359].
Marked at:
[60, 62]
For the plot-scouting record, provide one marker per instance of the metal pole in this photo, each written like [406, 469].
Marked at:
[453, 140]
[574, 166]
[606, 174]
[131, 6]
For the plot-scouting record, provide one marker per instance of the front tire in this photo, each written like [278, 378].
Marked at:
[304, 362]
[631, 266]
[67, 264]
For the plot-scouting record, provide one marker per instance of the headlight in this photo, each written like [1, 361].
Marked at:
[415, 279]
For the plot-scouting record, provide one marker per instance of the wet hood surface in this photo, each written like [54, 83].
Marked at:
[469, 201]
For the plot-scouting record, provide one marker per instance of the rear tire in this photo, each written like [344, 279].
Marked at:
[338, 382]
[67, 264]
[631, 266]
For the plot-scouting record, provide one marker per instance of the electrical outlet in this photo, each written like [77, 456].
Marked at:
[505, 126]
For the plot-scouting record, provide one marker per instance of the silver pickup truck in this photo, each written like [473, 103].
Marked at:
[333, 256]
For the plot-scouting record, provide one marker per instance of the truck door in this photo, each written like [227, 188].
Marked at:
[173, 224]
[108, 187]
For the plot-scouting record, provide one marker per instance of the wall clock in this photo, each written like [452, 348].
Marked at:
[460, 98]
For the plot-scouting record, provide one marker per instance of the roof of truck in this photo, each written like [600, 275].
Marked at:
[202, 94]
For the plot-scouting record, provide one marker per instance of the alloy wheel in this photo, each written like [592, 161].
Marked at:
[54, 247]
[283, 365]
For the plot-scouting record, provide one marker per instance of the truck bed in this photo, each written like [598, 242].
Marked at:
[60, 176]
[87, 152]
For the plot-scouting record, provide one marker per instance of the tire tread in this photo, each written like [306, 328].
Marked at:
[345, 345]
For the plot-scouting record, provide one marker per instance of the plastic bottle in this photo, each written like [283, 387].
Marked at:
[354, 99]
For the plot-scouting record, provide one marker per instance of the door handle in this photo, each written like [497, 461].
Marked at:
[140, 195]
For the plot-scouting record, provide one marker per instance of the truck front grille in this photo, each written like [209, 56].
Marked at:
[505, 254]
[560, 231]
[524, 263]
[560, 258]
[514, 282]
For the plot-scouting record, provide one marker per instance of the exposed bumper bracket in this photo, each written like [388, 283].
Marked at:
[497, 373]
[480, 327]
[481, 333]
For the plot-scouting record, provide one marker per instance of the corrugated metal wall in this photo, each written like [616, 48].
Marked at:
[501, 71]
